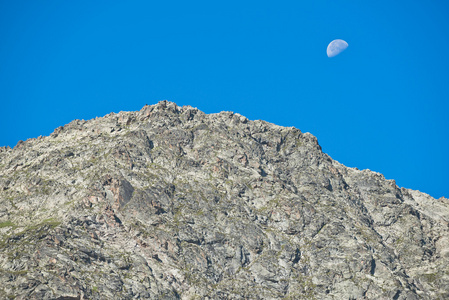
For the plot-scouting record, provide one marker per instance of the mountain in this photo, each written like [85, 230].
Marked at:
[172, 203]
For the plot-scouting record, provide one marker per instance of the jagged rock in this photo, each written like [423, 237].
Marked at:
[171, 203]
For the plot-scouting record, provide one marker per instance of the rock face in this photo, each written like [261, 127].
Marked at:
[172, 203]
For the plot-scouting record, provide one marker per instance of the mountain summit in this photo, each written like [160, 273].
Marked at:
[172, 203]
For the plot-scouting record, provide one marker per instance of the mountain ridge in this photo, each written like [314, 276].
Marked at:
[170, 202]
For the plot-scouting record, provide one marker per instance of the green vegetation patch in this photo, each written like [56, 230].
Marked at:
[30, 231]
[6, 224]
[430, 277]
[51, 222]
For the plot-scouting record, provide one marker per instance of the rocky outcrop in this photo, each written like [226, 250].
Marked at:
[172, 203]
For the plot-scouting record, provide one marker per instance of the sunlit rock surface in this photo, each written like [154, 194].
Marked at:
[172, 203]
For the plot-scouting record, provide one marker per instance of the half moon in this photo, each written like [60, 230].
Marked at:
[336, 47]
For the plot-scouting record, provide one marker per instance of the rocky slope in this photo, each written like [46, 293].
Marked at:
[172, 203]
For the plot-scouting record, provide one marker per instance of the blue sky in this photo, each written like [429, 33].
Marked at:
[382, 104]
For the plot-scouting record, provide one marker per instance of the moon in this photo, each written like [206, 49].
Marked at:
[336, 47]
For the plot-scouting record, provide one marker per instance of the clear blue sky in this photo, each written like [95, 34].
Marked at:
[382, 104]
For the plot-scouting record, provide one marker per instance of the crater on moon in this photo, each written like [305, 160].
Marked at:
[336, 47]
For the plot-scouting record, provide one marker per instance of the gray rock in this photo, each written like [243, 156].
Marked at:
[172, 203]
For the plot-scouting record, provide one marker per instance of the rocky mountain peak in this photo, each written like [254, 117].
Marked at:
[171, 203]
